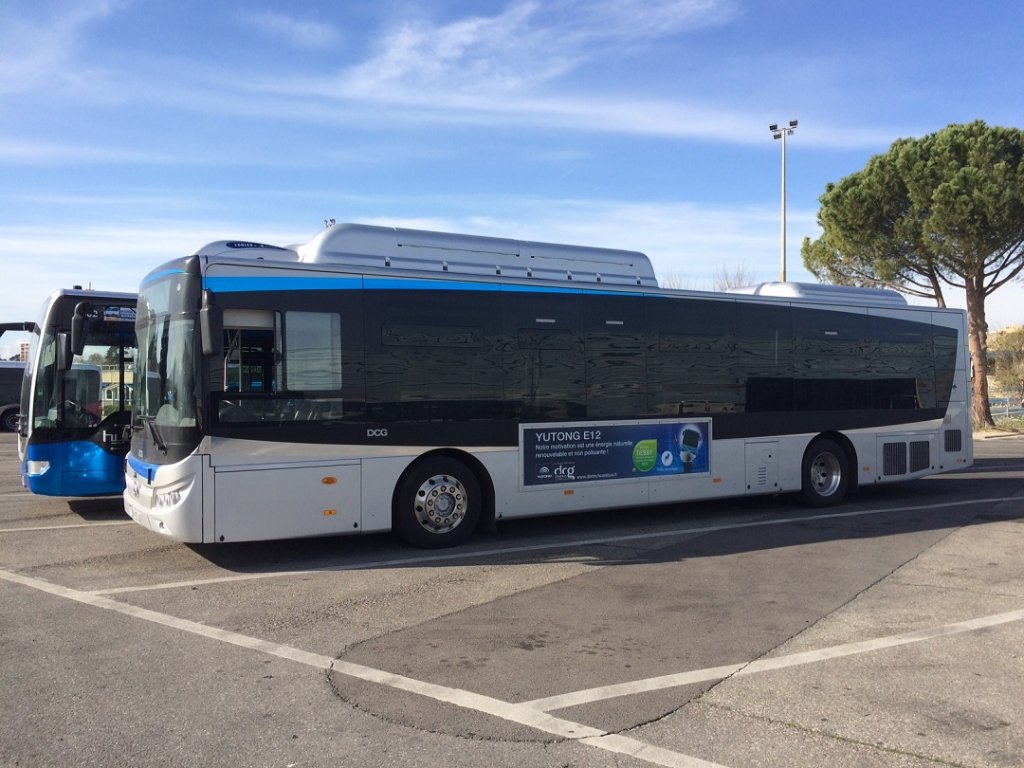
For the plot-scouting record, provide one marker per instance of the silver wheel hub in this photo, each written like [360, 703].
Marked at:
[440, 504]
[826, 474]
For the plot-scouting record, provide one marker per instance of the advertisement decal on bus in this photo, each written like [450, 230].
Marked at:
[591, 452]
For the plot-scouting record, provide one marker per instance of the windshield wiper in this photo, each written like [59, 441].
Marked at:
[149, 421]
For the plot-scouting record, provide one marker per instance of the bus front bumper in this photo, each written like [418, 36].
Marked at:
[165, 499]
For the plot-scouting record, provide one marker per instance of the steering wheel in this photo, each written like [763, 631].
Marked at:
[77, 411]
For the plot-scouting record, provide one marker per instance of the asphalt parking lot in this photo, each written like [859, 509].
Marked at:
[886, 632]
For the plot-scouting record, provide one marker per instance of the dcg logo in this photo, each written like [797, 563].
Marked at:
[376, 433]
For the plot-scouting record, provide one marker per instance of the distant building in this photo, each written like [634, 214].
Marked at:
[23, 354]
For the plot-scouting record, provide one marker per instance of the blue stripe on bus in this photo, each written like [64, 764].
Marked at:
[259, 283]
[143, 468]
[254, 283]
[418, 284]
[539, 289]
[163, 273]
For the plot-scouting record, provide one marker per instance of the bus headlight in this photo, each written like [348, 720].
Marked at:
[168, 499]
[36, 468]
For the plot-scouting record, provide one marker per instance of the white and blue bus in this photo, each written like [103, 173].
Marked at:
[74, 429]
[382, 379]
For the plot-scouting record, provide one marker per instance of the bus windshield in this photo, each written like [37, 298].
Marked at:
[88, 392]
[164, 406]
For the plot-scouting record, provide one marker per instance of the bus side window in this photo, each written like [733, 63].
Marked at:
[312, 351]
[249, 367]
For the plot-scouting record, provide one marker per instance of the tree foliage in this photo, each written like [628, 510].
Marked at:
[944, 211]
[1006, 361]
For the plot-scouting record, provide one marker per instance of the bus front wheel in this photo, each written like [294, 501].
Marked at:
[438, 504]
[825, 473]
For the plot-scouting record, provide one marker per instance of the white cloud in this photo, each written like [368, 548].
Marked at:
[299, 33]
[32, 152]
[42, 52]
[624, 19]
[527, 45]
[512, 68]
[471, 56]
[509, 68]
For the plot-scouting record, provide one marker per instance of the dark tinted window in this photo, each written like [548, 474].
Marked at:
[764, 357]
[416, 355]
[692, 361]
[432, 356]
[616, 360]
[543, 364]
[944, 342]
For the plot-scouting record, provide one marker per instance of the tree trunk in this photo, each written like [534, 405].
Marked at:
[933, 278]
[977, 334]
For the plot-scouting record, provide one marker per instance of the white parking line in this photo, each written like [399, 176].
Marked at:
[468, 553]
[69, 525]
[517, 713]
[602, 693]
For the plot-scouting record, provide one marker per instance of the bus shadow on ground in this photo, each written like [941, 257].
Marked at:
[665, 533]
[98, 508]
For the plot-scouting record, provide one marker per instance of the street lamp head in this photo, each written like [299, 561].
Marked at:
[773, 127]
[792, 123]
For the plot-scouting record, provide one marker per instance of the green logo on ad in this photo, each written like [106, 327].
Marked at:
[645, 455]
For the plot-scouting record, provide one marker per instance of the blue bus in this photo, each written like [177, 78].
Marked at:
[74, 428]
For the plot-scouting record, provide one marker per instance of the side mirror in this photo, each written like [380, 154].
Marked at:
[211, 327]
[78, 321]
[65, 355]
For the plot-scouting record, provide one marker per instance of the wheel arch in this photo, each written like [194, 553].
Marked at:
[487, 520]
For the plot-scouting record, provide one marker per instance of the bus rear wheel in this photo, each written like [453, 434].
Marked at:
[438, 504]
[825, 473]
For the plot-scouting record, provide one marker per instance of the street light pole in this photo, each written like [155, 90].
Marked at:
[782, 133]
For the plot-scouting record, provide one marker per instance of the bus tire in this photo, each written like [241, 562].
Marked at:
[9, 420]
[825, 473]
[438, 504]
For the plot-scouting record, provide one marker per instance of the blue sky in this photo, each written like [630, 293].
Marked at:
[135, 131]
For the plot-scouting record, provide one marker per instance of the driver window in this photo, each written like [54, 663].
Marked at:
[250, 364]
[280, 367]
